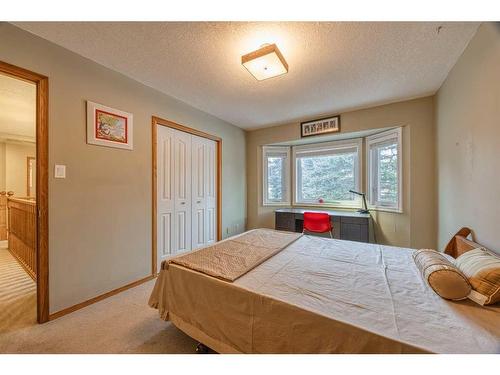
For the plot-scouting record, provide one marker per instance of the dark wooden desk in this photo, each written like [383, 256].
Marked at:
[347, 225]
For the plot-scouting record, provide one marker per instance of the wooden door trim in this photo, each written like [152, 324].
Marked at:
[42, 181]
[170, 124]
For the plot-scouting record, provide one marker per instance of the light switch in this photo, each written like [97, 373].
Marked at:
[60, 171]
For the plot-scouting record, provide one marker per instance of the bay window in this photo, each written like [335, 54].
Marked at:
[322, 174]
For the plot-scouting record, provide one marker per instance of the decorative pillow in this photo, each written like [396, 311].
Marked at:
[442, 276]
[482, 268]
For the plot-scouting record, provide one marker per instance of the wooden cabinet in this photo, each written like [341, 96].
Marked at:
[285, 221]
[354, 229]
[347, 225]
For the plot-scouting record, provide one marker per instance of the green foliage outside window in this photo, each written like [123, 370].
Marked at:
[328, 177]
[388, 173]
[274, 178]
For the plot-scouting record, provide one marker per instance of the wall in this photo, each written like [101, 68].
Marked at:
[100, 215]
[416, 226]
[2, 166]
[468, 139]
[16, 167]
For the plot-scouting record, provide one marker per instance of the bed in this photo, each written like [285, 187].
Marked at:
[320, 295]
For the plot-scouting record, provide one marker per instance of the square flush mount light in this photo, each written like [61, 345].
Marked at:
[266, 62]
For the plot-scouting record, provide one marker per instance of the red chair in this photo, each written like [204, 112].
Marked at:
[317, 222]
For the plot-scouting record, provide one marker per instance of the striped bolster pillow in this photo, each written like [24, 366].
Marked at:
[441, 275]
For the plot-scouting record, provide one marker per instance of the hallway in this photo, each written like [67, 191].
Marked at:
[17, 293]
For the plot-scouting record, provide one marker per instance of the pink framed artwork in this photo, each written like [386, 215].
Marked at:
[109, 127]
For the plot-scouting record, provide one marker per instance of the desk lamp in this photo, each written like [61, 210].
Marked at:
[363, 210]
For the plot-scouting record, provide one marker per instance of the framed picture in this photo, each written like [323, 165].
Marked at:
[320, 126]
[109, 127]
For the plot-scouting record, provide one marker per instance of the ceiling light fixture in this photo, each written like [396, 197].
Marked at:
[266, 62]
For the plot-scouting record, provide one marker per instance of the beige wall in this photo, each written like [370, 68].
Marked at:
[2, 166]
[100, 215]
[416, 226]
[468, 139]
[16, 167]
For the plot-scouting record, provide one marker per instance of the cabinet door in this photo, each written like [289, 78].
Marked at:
[211, 192]
[182, 191]
[199, 188]
[164, 193]
[354, 229]
[285, 221]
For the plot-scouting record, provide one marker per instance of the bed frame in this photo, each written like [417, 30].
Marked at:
[459, 244]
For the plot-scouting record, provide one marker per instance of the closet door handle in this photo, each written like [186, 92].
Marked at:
[198, 201]
[183, 202]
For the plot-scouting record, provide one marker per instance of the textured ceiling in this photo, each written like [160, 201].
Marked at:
[334, 66]
[17, 109]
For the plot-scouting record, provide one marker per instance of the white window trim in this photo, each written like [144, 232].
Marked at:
[380, 138]
[277, 150]
[337, 146]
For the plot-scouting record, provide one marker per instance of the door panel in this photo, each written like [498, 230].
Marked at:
[199, 228]
[182, 191]
[165, 199]
[211, 191]
[165, 248]
[199, 174]
[182, 232]
[211, 226]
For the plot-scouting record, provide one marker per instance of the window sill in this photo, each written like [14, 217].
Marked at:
[340, 207]
[386, 209]
[276, 204]
[326, 206]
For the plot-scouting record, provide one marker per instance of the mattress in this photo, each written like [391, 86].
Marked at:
[320, 295]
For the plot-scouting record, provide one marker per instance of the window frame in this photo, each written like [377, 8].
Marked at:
[379, 140]
[276, 151]
[322, 148]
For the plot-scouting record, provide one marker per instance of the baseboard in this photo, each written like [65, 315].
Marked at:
[81, 305]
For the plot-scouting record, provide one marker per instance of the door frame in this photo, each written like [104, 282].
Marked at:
[173, 125]
[42, 182]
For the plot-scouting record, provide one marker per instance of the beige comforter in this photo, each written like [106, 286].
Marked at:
[229, 260]
[325, 296]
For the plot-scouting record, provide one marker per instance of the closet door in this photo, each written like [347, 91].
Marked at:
[182, 191]
[164, 193]
[211, 192]
[199, 188]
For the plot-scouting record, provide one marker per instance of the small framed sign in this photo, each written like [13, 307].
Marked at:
[320, 126]
[109, 127]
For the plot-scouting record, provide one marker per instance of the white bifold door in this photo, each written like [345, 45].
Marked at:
[186, 192]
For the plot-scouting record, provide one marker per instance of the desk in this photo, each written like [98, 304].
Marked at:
[347, 225]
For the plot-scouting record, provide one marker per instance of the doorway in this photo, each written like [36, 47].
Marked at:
[186, 189]
[26, 205]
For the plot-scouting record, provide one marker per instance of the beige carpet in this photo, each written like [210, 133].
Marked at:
[123, 323]
[17, 294]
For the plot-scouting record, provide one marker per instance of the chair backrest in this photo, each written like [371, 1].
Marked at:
[317, 222]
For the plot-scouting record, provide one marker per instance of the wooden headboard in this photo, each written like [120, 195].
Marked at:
[459, 244]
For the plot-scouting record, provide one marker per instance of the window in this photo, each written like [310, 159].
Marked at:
[324, 173]
[276, 175]
[384, 170]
